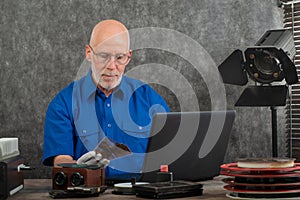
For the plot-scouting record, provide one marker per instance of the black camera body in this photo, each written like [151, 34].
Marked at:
[69, 176]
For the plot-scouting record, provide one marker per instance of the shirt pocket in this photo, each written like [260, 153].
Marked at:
[90, 138]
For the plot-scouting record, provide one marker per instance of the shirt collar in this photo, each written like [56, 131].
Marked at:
[121, 88]
[89, 87]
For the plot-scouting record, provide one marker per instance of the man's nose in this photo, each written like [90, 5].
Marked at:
[111, 63]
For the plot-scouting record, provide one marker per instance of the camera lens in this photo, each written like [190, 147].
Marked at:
[77, 179]
[60, 178]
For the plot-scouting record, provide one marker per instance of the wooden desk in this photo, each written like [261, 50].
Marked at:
[39, 188]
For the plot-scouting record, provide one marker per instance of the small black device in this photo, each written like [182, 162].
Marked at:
[77, 192]
[170, 189]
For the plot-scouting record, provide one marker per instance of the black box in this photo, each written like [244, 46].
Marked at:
[170, 189]
[11, 179]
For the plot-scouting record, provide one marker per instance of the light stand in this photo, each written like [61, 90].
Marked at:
[274, 131]
[273, 96]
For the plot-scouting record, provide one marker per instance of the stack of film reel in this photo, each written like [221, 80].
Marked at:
[268, 178]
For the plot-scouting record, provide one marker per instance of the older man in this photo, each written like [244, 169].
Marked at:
[103, 104]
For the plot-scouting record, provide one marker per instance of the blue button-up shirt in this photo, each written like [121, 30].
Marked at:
[80, 116]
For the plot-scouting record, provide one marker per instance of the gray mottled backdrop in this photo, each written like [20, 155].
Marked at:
[42, 47]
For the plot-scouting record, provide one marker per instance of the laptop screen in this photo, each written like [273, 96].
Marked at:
[192, 144]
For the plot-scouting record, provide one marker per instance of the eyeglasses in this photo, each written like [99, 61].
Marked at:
[104, 58]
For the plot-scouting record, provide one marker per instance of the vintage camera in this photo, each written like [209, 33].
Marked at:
[77, 177]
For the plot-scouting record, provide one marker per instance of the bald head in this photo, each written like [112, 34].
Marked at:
[107, 30]
[109, 42]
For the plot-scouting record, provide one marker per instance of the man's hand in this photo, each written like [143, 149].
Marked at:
[92, 158]
[63, 159]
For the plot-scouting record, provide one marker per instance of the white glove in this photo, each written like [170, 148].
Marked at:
[93, 158]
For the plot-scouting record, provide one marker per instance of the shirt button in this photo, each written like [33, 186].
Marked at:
[108, 105]
[108, 125]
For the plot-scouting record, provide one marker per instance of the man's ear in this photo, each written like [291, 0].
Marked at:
[88, 53]
[130, 54]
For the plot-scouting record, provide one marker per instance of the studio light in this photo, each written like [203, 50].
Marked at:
[270, 60]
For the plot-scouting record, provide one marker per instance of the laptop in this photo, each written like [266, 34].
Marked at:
[192, 144]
